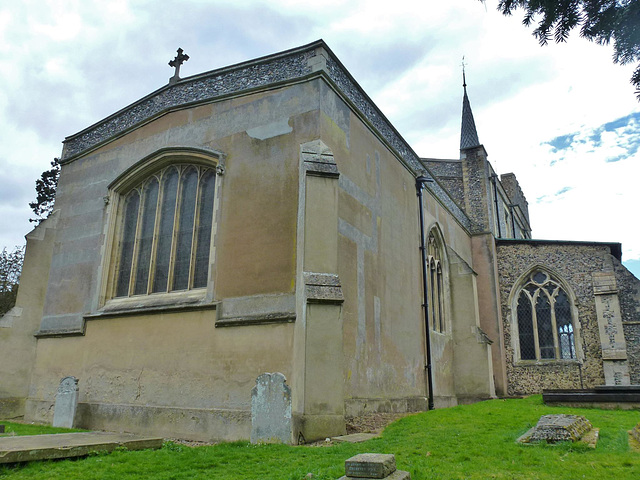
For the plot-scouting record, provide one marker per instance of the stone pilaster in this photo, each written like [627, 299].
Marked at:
[318, 387]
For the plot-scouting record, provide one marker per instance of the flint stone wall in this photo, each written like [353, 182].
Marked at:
[574, 263]
[629, 296]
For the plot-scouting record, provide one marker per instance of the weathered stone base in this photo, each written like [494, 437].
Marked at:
[441, 401]
[397, 475]
[12, 407]
[309, 428]
[370, 466]
[171, 422]
[557, 428]
[355, 407]
[469, 399]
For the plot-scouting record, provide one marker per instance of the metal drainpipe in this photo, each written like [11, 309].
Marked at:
[420, 181]
[495, 200]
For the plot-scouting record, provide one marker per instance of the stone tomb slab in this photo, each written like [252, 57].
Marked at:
[31, 448]
[370, 466]
[561, 428]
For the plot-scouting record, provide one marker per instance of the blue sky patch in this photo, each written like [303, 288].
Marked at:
[563, 190]
[631, 138]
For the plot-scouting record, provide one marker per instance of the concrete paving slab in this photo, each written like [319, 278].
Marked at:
[29, 448]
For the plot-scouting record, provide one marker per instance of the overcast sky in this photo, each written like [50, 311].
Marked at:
[563, 118]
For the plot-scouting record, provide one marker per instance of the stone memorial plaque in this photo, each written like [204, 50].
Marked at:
[271, 409]
[66, 404]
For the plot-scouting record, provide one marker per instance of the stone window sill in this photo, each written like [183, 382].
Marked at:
[547, 363]
[161, 302]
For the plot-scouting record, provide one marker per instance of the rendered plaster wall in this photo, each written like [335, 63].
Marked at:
[172, 374]
[20, 323]
[379, 269]
[150, 373]
[574, 264]
[260, 135]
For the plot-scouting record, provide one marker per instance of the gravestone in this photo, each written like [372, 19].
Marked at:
[558, 428]
[64, 411]
[634, 438]
[373, 465]
[1, 428]
[271, 409]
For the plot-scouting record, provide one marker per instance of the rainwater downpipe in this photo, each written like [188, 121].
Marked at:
[495, 200]
[420, 181]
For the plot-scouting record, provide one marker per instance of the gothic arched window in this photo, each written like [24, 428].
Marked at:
[165, 232]
[435, 284]
[544, 320]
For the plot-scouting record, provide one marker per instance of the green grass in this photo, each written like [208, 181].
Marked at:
[467, 442]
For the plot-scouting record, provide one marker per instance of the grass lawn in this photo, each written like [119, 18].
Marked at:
[467, 442]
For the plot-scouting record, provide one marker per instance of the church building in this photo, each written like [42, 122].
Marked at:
[267, 217]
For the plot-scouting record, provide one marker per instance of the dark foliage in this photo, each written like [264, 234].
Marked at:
[600, 21]
[46, 187]
[10, 268]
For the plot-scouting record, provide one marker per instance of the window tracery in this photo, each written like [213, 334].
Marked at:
[544, 320]
[435, 284]
[165, 232]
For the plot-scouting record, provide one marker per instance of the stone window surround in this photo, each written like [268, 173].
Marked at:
[107, 302]
[519, 284]
[443, 292]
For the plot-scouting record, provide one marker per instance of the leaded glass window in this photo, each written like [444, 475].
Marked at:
[165, 238]
[544, 320]
[435, 285]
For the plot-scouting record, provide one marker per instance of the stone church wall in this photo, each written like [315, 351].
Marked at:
[629, 295]
[176, 371]
[574, 263]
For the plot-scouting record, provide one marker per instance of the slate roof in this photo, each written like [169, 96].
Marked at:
[468, 133]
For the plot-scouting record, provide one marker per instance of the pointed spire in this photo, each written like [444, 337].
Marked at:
[468, 133]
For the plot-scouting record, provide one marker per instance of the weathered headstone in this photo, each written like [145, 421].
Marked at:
[558, 428]
[1, 428]
[271, 409]
[373, 465]
[64, 411]
[634, 437]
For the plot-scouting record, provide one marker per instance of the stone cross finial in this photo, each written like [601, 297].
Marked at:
[176, 62]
